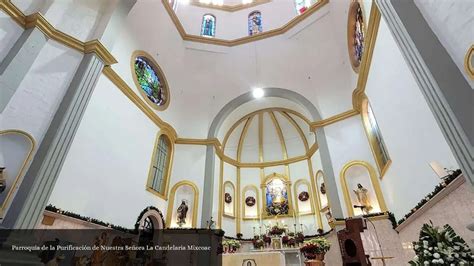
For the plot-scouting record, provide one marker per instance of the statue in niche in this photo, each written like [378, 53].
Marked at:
[363, 198]
[182, 211]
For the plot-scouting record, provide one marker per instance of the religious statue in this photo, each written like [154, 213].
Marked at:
[182, 211]
[323, 188]
[363, 198]
[211, 224]
[3, 182]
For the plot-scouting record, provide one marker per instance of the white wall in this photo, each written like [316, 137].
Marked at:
[105, 173]
[453, 22]
[39, 94]
[10, 31]
[347, 142]
[410, 132]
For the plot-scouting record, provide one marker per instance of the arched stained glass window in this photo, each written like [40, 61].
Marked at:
[160, 166]
[150, 80]
[359, 34]
[301, 6]
[355, 34]
[208, 27]
[255, 23]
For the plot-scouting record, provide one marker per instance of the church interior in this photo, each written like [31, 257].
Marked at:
[304, 132]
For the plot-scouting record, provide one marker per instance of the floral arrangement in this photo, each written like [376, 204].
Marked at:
[277, 231]
[441, 246]
[303, 196]
[291, 242]
[315, 246]
[227, 198]
[230, 245]
[266, 239]
[299, 238]
[285, 240]
[239, 235]
[258, 243]
[250, 201]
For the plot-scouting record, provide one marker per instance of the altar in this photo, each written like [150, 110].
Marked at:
[270, 257]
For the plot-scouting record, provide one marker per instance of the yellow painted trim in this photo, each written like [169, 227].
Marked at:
[36, 20]
[245, 189]
[169, 165]
[221, 193]
[333, 119]
[161, 74]
[375, 185]
[171, 201]
[374, 145]
[234, 200]
[267, 34]
[10, 193]
[317, 211]
[135, 98]
[229, 8]
[371, 37]
[468, 59]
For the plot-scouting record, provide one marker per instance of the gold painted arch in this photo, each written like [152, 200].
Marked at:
[310, 192]
[10, 193]
[373, 179]
[169, 212]
[258, 203]
[234, 200]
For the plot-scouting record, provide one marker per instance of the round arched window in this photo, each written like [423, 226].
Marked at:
[355, 34]
[150, 80]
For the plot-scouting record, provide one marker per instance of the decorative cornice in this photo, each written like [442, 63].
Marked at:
[468, 60]
[246, 39]
[333, 119]
[229, 8]
[372, 31]
[36, 20]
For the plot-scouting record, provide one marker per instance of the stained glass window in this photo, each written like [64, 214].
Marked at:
[160, 164]
[208, 27]
[150, 82]
[302, 5]
[276, 197]
[174, 4]
[358, 34]
[255, 23]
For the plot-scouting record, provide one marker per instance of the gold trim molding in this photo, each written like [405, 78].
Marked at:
[234, 200]
[22, 170]
[229, 8]
[371, 37]
[468, 62]
[244, 205]
[169, 213]
[36, 20]
[243, 40]
[333, 119]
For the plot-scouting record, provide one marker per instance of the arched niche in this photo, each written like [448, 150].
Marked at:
[229, 208]
[320, 181]
[276, 190]
[361, 172]
[303, 206]
[154, 215]
[250, 212]
[188, 192]
[16, 153]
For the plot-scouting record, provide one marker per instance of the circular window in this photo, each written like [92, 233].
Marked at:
[355, 34]
[150, 80]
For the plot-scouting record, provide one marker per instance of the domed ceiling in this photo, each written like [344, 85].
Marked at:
[267, 135]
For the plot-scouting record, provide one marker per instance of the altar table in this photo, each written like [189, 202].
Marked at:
[268, 258]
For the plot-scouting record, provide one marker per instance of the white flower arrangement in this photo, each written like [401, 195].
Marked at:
[441, 246]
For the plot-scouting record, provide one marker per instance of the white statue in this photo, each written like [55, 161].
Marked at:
[363, 198]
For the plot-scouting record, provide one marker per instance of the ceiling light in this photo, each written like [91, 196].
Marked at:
[258, 93]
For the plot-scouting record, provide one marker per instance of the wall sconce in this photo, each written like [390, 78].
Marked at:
[3, 181]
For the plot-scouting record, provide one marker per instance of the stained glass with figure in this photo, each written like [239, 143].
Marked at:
[150, 83]
[276, 196]
[302, 5]
[208, 27]
[255, 23]
[359, 34]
